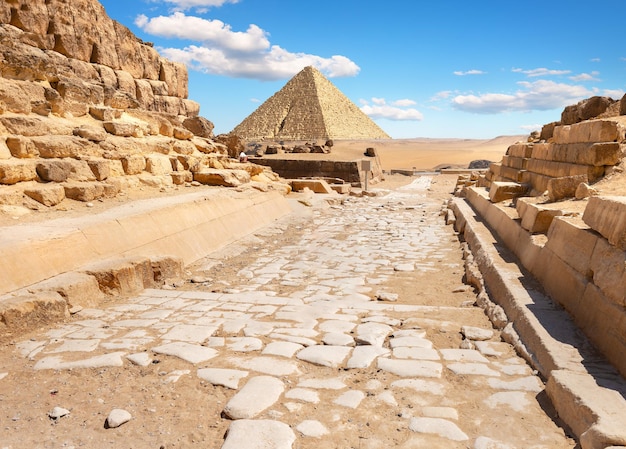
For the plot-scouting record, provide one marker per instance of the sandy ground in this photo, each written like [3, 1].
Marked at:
[186, 414]
[419, 153]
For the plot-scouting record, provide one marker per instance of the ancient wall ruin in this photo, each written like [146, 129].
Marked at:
[559, 206]
[87, 110]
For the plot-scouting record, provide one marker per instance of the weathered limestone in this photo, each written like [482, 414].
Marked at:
[501, 191]
[308, 107]
[607, 215]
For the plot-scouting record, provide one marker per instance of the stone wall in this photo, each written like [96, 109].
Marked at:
[350, 171]
[87, 110]
[542, 203]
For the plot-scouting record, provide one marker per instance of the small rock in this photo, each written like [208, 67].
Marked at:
[58, 412]
[461, 289]
[385, 296]
[116, 418]
[476, 333]
[74, 310]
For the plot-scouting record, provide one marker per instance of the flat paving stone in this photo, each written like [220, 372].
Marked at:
[372, 333]
[437, 426]
[99, 361]
[186, 351]
[350, 399]
[224, 377]
[364, 356]
[463, 355]
[259, 434]
[312, 428]
[331, 356]
[258, 394]
[268, 365]
[303, 394]
[409, 352]
[516, 400]
[411, 368]
[282, 348]
[472, 369]
[421, 385]
[323, 384]
[190, 333]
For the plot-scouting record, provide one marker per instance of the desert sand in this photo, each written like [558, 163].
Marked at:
[417, 153]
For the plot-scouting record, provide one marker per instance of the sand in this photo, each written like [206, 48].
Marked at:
[418, 153]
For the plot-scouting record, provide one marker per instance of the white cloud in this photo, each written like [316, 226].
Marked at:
[381, 109]
[222, 51]
[469, 72]
[542, 71]
[539, 95]
[404, 103]
[531, 128]
[615, 94]
[443, 95]
[203, 4]
[585, 77]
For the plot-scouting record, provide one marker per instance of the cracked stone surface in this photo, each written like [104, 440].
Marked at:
[245, 361]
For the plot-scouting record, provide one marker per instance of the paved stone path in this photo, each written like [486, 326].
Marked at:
[325, 343]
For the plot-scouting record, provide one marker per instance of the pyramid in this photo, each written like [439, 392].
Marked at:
[308, 107]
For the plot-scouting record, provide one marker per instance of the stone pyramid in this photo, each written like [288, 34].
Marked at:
[308, 107]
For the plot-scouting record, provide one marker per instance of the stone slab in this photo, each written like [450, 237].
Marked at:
[259, 434]
[186, 351]
[258, 394]
[607, 215]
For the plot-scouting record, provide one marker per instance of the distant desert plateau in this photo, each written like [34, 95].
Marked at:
[416, 153]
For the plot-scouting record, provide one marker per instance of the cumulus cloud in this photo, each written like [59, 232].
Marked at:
[219, 50]
[616, 94]
[396, 110]
[469, 72]
[542, 71]
[443, 95]
[203, 4]
[531, 128]
[539, 95]
[403, 103]
[593, 76]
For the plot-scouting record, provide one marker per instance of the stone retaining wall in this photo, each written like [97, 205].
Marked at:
[578, 267]
[350, 171]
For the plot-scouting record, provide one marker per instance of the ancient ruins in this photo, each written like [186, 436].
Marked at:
[308, 107]
[144, 304]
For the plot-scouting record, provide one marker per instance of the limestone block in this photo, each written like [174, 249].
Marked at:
[518, 163]
[101, 168]
[316, 185]
[182, 133]
[116, 168]
[584, 190]
[133, 164]
[511, 174]
[603, 322]
[128, 51]
[91, 133]
[608, 265]
[20, 125]
[227, 178]
[501, 191]
[151, 63]
[123, 129]
[607, 215]
[168, 105]
[78, 289]
[562, 283]
[48, 195]
[181, 177]
[65, 147]
[21, 147]
[126, 83]
[13, 171]
[176, 77]
[536, 218]
[159, 87]
[61, 170]
[205, 145]
[590, 131]
[199, 126]
[565, 187]
[5, 152]
[520, 150]
[104, 114]
[166, 129]
[560, 169]
[84, 191]
[108, 77]
[547, 131]
[166, 268]
[79, 95]
[191, 108]
[122, 277]
[29, 310]
[144, 94]
[158, 164]
[13, 98]
[573, 242]
[185, 147]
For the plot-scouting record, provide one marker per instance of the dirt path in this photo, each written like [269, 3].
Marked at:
[341, 327]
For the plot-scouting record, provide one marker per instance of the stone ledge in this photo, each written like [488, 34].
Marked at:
[188, 226]
[607, 215]
[591, 407]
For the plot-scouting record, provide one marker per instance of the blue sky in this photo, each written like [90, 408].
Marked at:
[446, 68]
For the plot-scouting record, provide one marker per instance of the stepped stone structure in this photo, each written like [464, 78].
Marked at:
[308, 107]
[87, 110]
[559, 204]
